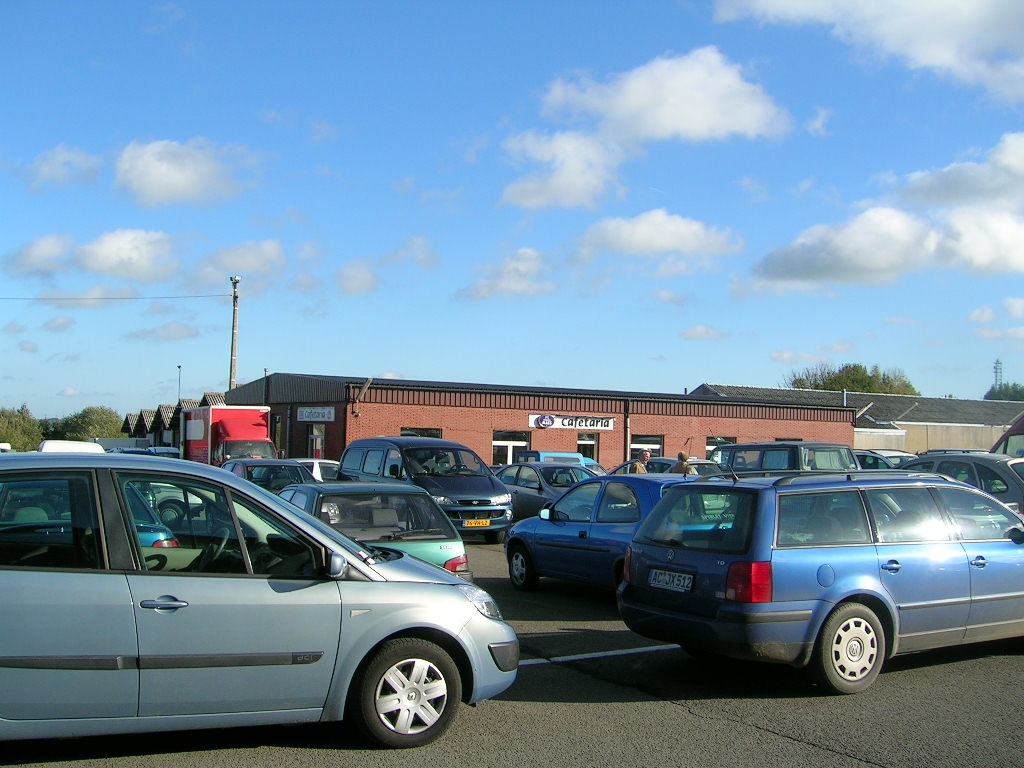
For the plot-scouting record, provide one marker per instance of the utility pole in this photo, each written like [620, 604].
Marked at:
[235, 280]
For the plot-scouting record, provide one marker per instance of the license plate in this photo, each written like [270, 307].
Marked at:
[476, 523]
[678, 582]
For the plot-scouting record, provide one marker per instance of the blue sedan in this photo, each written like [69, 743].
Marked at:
[584, 535]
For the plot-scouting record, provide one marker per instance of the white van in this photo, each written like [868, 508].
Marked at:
[69, 446]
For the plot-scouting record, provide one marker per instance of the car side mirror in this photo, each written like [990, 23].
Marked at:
[337, 566]
[544, 514]
[1016, 535]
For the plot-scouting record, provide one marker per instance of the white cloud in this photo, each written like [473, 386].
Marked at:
[670, 297]
[63, 165]
[657, 232]
[999, 180]
[259, 263]
[29, 347]
[519, 274]
[58, 324]
[981, 315]
[976, 42]
[700, 96]
[172, 331]
[357, 277]
[416, 249]
[131, 254]
[579, 169]
[875, 247]
[968, 215]
[167, 172]
[1014, 307]
[43, 257]
[818, 125]
[702, 332]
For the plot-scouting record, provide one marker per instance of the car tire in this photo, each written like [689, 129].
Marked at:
[494, 537]
[850, 649]
[172, 512]
[407, 694]
[521, 571]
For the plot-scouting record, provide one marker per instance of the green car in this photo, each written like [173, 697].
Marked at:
[392, 515]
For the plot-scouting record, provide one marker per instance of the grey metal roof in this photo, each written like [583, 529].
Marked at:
[875, 410]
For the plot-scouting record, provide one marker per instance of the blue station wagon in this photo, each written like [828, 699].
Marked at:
[836, 573]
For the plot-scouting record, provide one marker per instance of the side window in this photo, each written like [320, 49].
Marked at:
[817, 519]
[393, 464]
[958, 470]
[975, 516]
[49, 521]
[353, 459]
[577, 505]
[990, 482]
[374, 461]
[906, 515]
[508, 475]
[196, 516]
[272, 547]
[528, 478]
[618, 504]
[776, 459]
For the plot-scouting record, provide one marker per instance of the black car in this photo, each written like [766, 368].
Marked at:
[999, 474]
[538, 484]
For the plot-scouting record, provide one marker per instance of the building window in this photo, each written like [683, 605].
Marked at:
[653, 443]
[420, 432]
[586, 443]
[506, 444]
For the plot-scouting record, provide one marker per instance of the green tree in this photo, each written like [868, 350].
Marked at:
[1013, 391]
[852, 377]
[20, 429]
[94, 421]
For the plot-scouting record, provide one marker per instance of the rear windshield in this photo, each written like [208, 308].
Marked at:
[702, 518]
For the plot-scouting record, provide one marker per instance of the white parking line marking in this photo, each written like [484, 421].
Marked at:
[599, 655]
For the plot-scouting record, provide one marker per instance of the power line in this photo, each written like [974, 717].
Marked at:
[113, 298]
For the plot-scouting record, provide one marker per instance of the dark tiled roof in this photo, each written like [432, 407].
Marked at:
[873, 409]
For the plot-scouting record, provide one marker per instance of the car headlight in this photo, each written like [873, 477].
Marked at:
[483, 601]
[444, 501]
[503, 500]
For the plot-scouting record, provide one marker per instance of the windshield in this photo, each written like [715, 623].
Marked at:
[441, 462]
[249, 449]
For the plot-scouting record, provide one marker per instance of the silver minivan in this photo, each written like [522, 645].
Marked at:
[256, 614]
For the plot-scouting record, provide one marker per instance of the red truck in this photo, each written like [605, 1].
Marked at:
[212, 434]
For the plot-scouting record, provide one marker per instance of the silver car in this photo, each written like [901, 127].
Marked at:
[260, 615]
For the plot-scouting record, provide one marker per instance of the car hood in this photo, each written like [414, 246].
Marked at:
[405, 567]
[460, 485]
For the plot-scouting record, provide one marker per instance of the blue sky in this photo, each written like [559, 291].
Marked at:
[603, 195]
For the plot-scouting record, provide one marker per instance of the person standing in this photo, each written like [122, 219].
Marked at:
[639, 467]
[683, 466]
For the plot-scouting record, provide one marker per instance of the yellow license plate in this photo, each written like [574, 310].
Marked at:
[477, 523]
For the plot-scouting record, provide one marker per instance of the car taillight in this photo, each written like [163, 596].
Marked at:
[457, 564]
[165, 543]
[749, 582]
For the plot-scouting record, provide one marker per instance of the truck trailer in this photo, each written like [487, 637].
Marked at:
[212, 434]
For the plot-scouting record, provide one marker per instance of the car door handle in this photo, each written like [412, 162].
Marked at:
[163, 603]
[583, 534]
[893, 566]
[979, 562]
